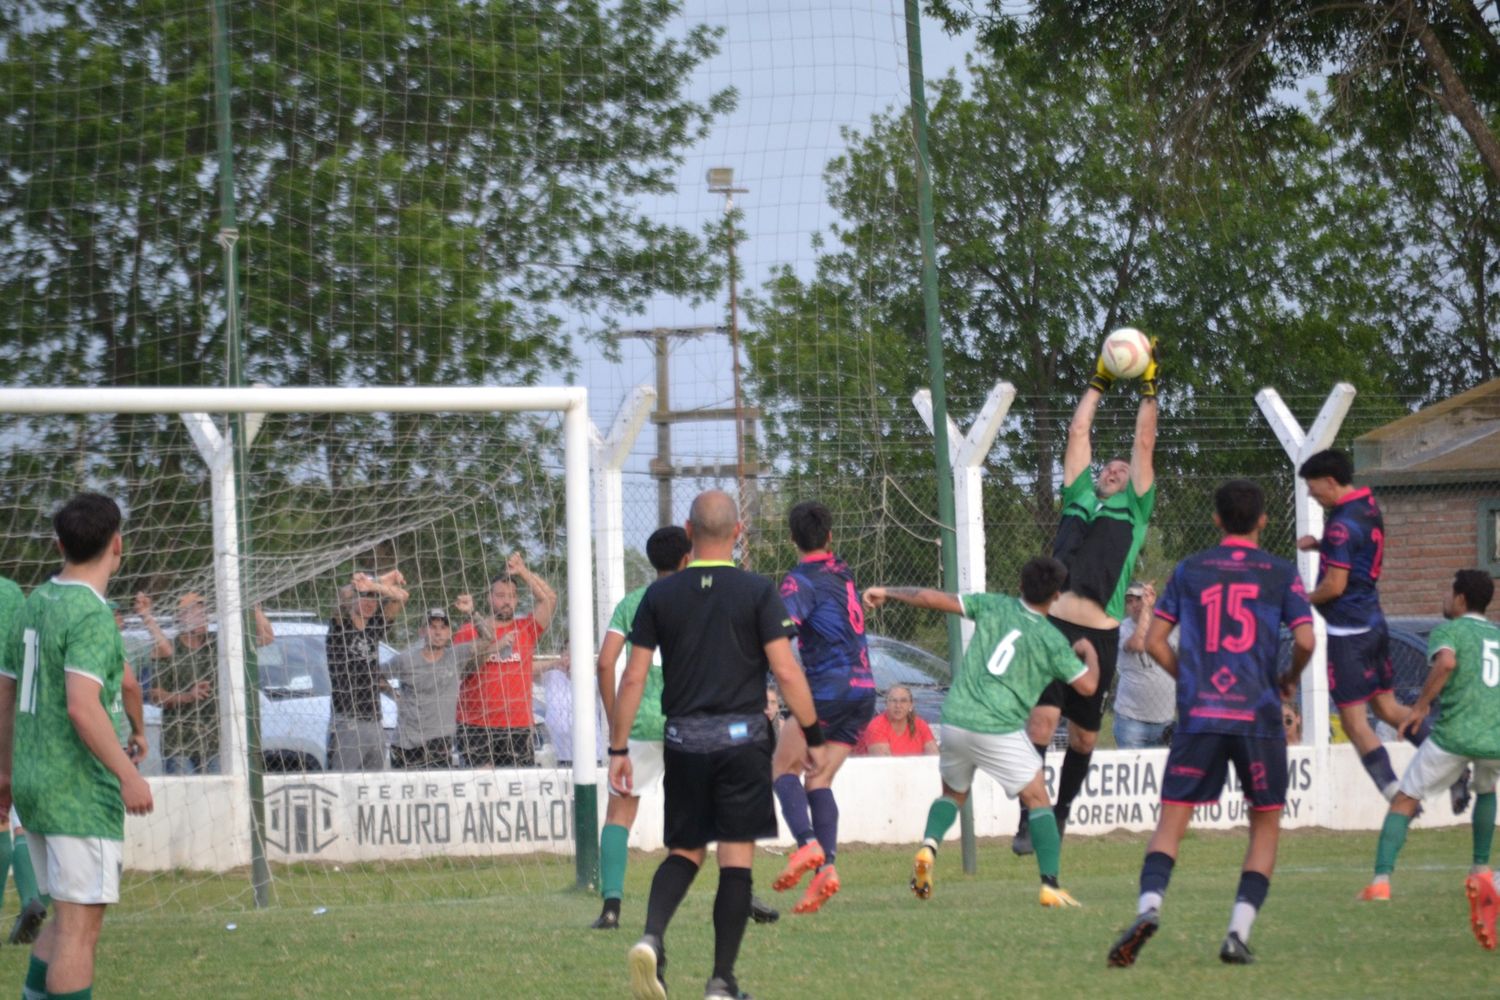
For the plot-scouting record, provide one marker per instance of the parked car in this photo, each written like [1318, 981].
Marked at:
[295, 694]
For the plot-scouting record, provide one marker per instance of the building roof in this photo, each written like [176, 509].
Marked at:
[1454, 441]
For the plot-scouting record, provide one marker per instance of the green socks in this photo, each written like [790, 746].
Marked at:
[1392, 838]
[1484, 827]
[1047, 841]
[4, 863]
[87, 993]
[20, 860]
[940, 819]
[36, 980]
[612, 854]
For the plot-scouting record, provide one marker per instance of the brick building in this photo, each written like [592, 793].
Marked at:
[1436, 474]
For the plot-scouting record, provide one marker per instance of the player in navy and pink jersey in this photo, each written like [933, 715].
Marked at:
[1359, 659]
[1229, 603]
[822, 600]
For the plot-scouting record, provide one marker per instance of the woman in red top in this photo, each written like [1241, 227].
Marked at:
[898, 731]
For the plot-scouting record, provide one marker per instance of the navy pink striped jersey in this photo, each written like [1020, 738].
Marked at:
[1229, 603]
[819, 595]
[1354, 540]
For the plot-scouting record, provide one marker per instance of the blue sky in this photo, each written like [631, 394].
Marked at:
[804, 70]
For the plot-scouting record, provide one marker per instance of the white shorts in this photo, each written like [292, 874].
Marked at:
[1433, 769]
[1009, 758]
[76, 869]
[647, 765]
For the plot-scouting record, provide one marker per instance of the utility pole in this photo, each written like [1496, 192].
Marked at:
[721, 181]
[662, 468]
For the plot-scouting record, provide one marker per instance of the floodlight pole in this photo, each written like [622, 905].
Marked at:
[933, 324]
[1299, 447]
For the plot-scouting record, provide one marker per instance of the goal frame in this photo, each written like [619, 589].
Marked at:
[195, 405]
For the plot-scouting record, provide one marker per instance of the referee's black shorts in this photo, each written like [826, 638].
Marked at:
[1085, 711]
[723, 795]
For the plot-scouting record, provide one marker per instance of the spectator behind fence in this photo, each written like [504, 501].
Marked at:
[356, 741]
[1291, 721]
[557, 685]
[494, 703]
[773, 707]
[428, 675]
[898, 731]
[184, 682]
[1145, 695]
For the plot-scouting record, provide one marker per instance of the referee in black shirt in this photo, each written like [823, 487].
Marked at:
[719, 630]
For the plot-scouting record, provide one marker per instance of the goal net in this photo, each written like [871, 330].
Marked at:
[314, 741]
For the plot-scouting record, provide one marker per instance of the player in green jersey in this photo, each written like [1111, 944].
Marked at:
[15, 853]
[1014, 654]
[669, 550]
[72, 782]
[1465, 679]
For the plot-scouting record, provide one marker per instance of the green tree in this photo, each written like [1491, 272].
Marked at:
[1063, 211]
[425, 191]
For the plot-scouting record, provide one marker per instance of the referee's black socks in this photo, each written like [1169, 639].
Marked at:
[672, 880]
[731, 914]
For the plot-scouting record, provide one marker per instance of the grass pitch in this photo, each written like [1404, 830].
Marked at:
[441, 931]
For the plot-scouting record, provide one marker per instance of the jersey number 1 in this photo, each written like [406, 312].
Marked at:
[27, 698]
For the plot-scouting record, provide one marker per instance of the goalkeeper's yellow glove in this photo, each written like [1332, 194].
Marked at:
[1148, 377]
[1103, 377]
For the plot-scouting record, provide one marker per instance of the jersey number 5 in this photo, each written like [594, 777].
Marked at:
[1215, 611]
[1004, 653]
[1491, 663]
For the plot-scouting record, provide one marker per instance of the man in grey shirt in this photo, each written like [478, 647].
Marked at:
[427, 699]
[1145, 694]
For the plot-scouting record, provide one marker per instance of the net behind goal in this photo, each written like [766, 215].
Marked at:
[334, 554]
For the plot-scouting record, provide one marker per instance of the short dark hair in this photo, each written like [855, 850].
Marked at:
[1041, 579]
[666, 547]
[85, 525]
[1476, 587]
[503, 578]
[1239, 504]
[811, 524]
[1329, 462]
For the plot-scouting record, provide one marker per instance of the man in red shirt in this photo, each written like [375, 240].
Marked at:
[494, 702]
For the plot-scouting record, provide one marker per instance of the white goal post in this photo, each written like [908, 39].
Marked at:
[195, 404]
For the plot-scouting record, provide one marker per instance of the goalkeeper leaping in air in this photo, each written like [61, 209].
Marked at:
[1100, 535]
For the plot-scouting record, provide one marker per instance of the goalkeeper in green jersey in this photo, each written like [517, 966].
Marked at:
[60, 759]
[1014, 654]
[1465, 680]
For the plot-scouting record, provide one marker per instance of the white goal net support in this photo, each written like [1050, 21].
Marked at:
[238, 563]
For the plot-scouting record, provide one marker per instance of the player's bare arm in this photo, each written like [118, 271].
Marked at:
[544, 598]
[1443, 665]
[1303, 641]
[264, 633]
[918, 597]
[604, 667]
[131, 696]
[1079, 452]
[1089, 682]
[797, 696]
[1331, 587]
[627, 704]
[1143, 450]
[1159, 648]
[97, 732]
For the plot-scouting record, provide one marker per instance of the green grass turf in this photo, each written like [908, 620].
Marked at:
[458, 930]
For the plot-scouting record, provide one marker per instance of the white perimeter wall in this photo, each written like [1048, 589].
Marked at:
[203, 823]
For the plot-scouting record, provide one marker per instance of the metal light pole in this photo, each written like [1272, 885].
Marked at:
[721, 181]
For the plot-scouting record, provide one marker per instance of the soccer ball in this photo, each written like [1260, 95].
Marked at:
[1126, 352]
